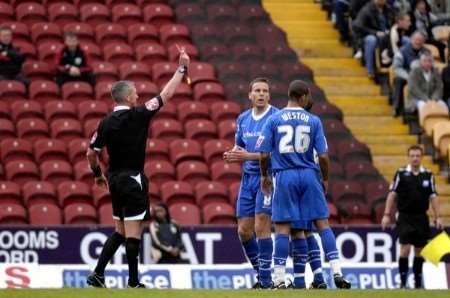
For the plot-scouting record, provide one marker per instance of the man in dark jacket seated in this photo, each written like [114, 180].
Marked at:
[73, 62]
[11, 59]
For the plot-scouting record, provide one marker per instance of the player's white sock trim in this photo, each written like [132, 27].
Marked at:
[279, 274]
[335, 267]
[318, 270]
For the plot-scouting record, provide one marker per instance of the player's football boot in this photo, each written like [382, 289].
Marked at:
[341, 283]
[138, 286]
[95, 280]
[256, 286]
[318, 285]
[279, 286]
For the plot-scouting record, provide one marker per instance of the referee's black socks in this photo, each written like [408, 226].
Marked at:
[403, 268]
[132, 249]
[109, 249]
[417, 269]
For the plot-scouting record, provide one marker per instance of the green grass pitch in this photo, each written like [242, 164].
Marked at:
[141, 293]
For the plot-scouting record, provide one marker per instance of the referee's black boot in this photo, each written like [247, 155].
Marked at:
[96, 281]
[341, 282]
[138, 286]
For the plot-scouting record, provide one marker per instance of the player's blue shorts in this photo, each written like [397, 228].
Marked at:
[303, 225]
[298, 195]
[250, 199]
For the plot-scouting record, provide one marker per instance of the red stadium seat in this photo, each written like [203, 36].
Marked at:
[146, 90]
[200, 130]
[80, 3]
[63, 13]
[92, 50]
[209, 92]
[182, 94]
[270, 33]
[163, 71]
[21, 171]
[25, 109]
[56, 171]
[361, 171]
[354, 212]
[39, 192]
[139, 34]
[192, 172]
[58, 109]
[77, 92]
[191, 13]
[201, 72]
[110, 33]
[105, 214]
[376, 191]
[269, 70]
[227, 130]
[211, 192]
[292, 71]
[153, 191]
[175, 192]
[247, 53]
[7, 129]
[74, 192]
[91, 109]
[334, 215]
[191, 50]
[94, 14]
[48, 32]
[192, 110]
[352, 150]
[30, 13]
[214, 149]
[66, 129]
[347, 191]
[6, 12]
[32, 129]
[232, 72]
[167, 129]
[253, 14]
[20, 30]
[101, 196]
[112, 3]
[47, 51]
[90, 126]
[157, 150]
[118, 53]
[26, 48]
[158, 15]
[174, 34]
[105, 71]
[12, 214]
[45, 215]
[83, 31]
[103, 91]
[50, 149]
[335, 130]
[279, 53]
[80, 214]
[83, 172]
[37, 70]
[336, 171]
[15, 149]
[12, 90]
[5, 112]
[10, 193]
[225, 172]
[168, 111]
[234, 192]
[238, 34]
[135, 71]
[44, 91]
[219, 214]
[221, 14]
[126, 14]
[159, 171]
[221, 111]
[185, 214]
[181, 150]
[77, 150]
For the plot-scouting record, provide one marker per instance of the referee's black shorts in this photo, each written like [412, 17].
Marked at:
[129, 194]
[413, 229]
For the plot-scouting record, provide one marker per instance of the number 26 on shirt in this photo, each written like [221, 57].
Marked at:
[301, 139]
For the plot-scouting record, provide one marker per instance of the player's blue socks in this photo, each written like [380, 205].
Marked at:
[331, 252]
[279, 258]
[251, 250]
[314, 259]
[265, 261]
[299, 255]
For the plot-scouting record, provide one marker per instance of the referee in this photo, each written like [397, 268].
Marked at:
[124, 134]
[413, 190]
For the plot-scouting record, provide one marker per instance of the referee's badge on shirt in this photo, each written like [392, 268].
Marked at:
[78, 61]
[426, 183]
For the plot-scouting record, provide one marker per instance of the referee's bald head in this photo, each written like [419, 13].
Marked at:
[121, 90]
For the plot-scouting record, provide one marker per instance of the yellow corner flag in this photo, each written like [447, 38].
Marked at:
[437, 248]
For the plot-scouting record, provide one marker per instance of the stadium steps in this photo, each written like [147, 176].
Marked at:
[344, 80]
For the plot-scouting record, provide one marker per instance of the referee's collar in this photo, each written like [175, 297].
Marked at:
[409, 169]
[122, 107]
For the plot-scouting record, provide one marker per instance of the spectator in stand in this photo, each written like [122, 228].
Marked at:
[73, 62]
[424, 83]
[403, 60]
[424, 20]
[372, 27]
[399, 34]
[342, 12]
[11, 59]
[446, 82]
[166, 237]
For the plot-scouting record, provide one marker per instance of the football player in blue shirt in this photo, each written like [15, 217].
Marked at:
[298, 184]
[253, 209]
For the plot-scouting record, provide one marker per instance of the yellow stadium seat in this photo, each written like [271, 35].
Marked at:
[441, 137]
[431, 113]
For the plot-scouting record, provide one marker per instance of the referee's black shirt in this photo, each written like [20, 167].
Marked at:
[413, 191]
[124, 133]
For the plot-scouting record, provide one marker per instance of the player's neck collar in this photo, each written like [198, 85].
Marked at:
[121, 107]
[260, 116]
[294, 108]
[409, 169]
